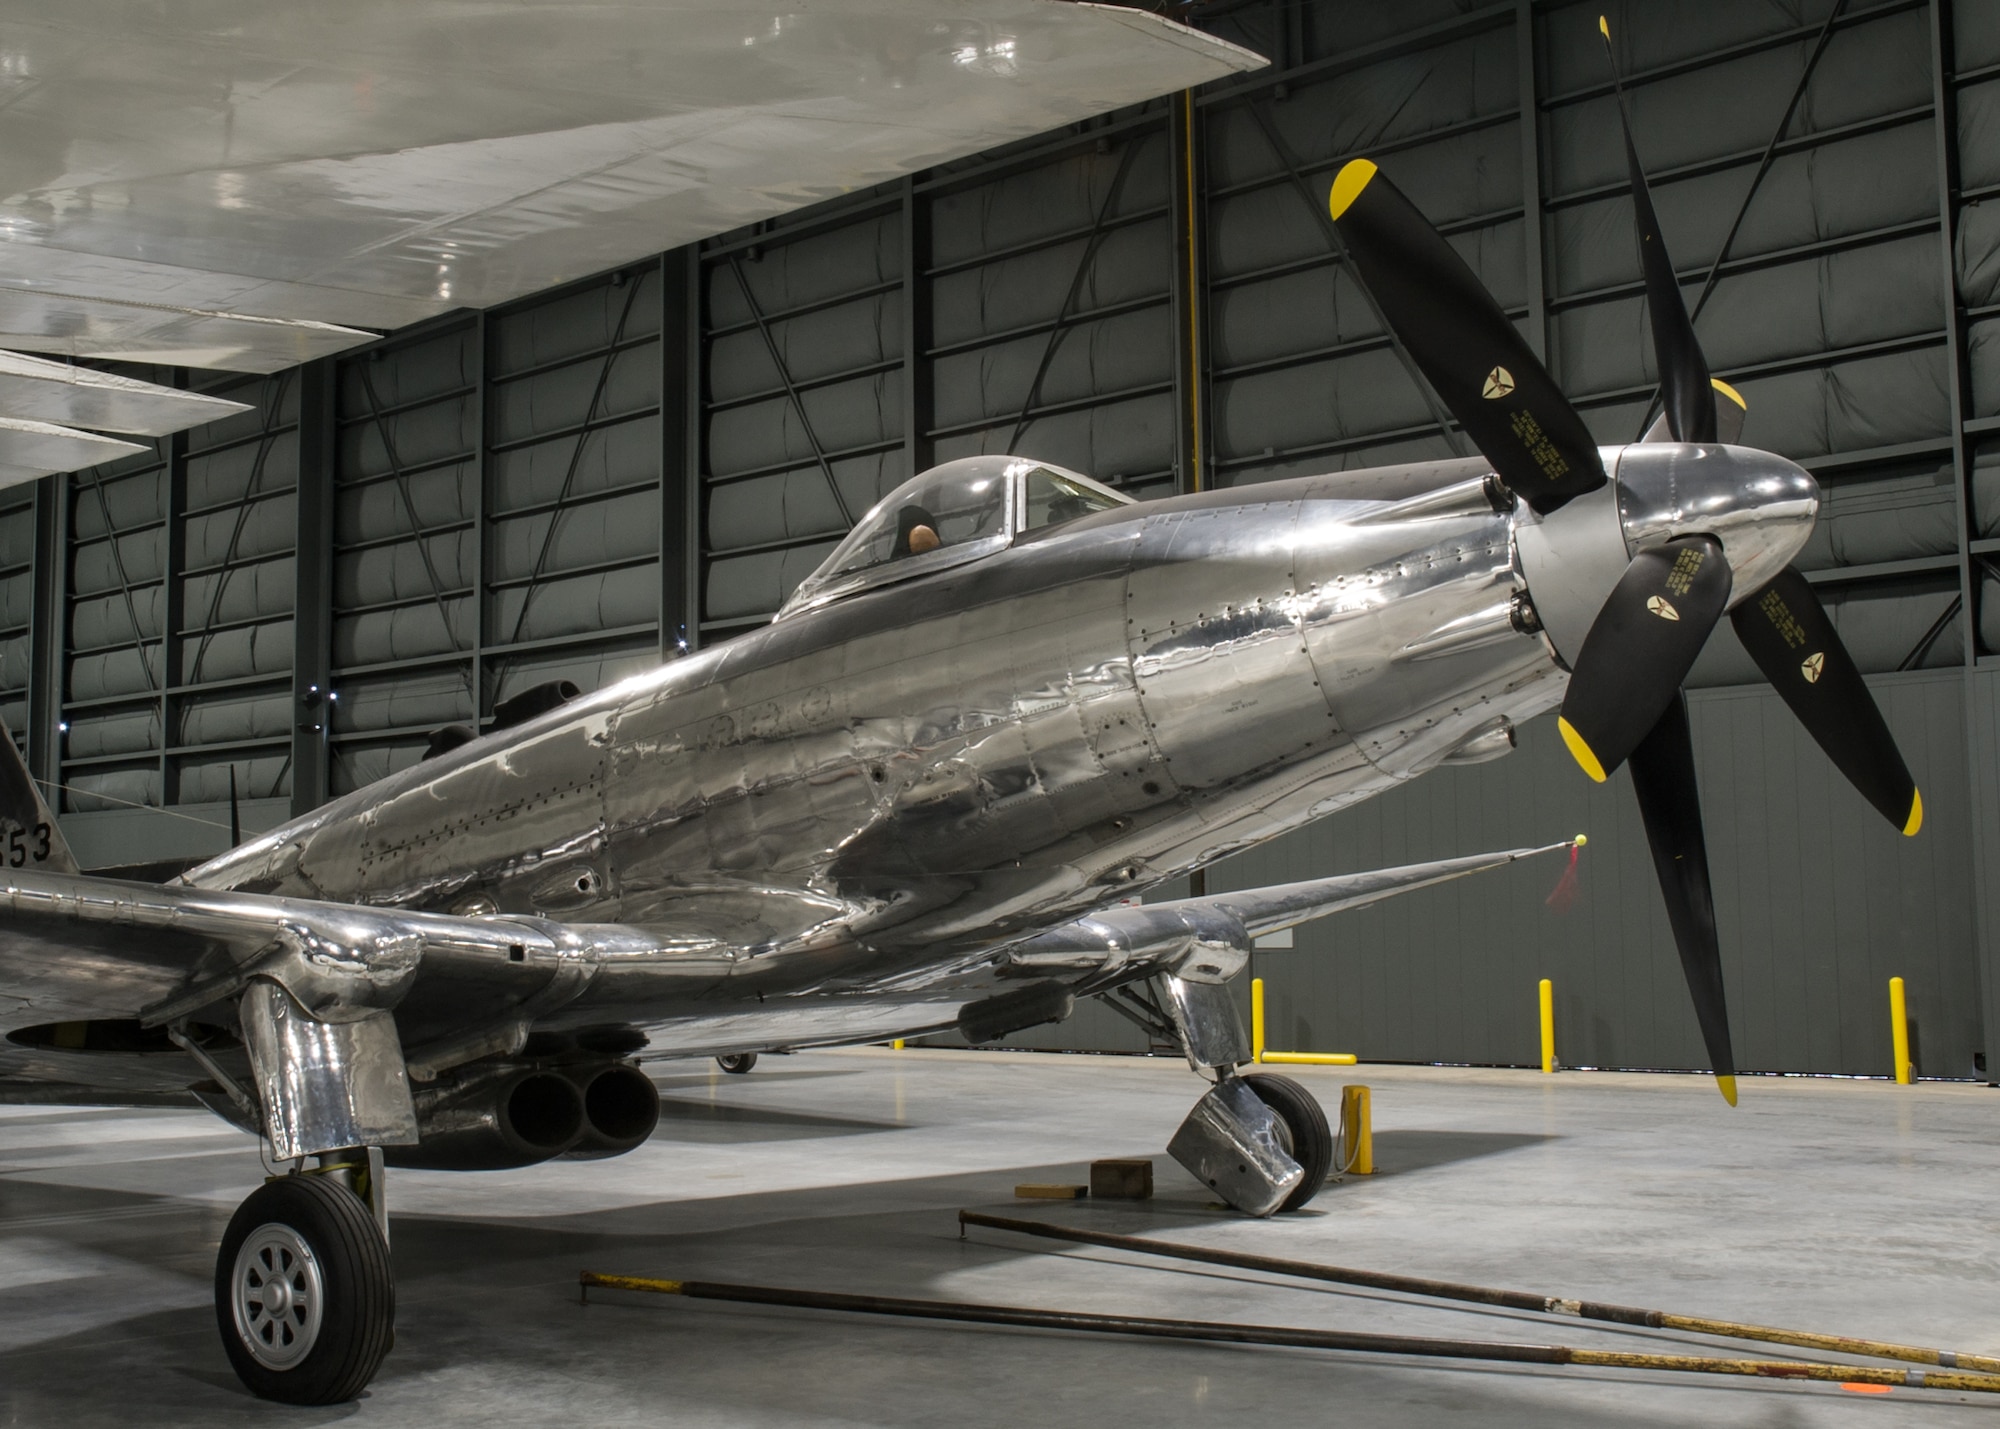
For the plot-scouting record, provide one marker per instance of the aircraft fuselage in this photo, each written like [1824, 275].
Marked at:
[864, 799]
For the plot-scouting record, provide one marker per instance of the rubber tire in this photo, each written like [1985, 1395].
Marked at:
[358, 1324]
[1305, 1120]
[737, 1063]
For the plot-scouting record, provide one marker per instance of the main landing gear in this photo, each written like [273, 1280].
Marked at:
[304, 1296]
[737, 1063]
[1260, 1142]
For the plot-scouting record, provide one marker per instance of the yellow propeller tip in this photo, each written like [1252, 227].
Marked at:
[1916, 819]
[1604, 27]
[1727, 1086]
[1348, 184]
[1580, 751]
[1730, 392]
[1579, 840]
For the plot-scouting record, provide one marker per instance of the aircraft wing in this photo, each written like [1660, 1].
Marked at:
[1207, 938]
[1286, 905]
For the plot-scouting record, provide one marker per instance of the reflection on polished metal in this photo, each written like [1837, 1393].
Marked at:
[1759, 505]
[176, 175]
[1211, 1029]
[1232, 1143]
[325, 1086]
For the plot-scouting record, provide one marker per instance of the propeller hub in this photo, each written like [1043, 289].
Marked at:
[1759, 506]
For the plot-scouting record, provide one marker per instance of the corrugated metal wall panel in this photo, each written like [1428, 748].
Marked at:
[17, 606]
[800, 427]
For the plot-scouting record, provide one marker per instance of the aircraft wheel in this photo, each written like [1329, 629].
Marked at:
[737, 1063]
[1304, 1132]
[303, 1292]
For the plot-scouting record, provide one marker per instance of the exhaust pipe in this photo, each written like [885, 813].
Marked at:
[621, 1106]
[515, 1119]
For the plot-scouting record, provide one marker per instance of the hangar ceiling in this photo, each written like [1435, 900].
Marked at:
[178, 178]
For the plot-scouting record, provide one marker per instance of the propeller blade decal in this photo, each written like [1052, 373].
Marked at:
[1663, 777]
[1464, 343]
[1640, 648]
[1788, 634]
[1684, 389]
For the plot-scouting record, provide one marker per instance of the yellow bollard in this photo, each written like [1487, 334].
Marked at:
[1899, 1029]
[1548, 1026]
[1256, 1019]
[896, 1045]
[1357, 1131]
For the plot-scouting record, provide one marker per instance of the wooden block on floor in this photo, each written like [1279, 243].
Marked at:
[1050, 1191]
[1122, 1178]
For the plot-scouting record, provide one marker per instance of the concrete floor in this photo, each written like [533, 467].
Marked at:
[1854, 1207]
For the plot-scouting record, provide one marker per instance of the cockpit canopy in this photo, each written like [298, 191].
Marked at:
[952, 514]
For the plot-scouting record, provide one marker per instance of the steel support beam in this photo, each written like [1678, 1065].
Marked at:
[680, 553]
[312, 605]
[694, 468]
[1527, 68]
[172, 608]
[45, 673]
[1190, 297]
[918, 365]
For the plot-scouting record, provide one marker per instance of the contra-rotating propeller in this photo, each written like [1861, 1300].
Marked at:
[1624, 702]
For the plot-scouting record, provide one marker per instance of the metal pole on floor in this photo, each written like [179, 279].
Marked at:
[1899, 1030]
[1548, 1003]
[1353, 1340]
[1486, 1295]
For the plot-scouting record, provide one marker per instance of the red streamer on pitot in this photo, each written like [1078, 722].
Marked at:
[1563, 897]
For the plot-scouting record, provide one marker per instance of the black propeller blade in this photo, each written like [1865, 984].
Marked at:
[1464, 343]
[1786, 631]
[1663, 778]
[1641, 646]
[1684, 389]
[1624, 703]
[1730, 410]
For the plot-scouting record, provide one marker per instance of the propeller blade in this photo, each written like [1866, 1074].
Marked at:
[1640, 648]
[1670, 805]
[1684, 389]
[1786, 631]
[1730, 410]
[1464, 343]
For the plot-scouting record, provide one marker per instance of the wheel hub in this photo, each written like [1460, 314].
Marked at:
[280, 1296]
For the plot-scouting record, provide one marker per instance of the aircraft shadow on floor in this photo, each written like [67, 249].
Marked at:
[1398, 1153]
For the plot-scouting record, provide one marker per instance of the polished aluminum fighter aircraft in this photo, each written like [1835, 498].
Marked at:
[923, 796]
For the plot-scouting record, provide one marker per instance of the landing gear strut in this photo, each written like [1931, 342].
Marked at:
[304, 1296]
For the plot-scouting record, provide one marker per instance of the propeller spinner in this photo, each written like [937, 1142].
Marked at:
[1682, 533]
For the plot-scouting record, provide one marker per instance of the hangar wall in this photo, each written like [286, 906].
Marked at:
[578, 484]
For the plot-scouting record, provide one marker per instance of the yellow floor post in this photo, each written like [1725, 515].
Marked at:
[1548, 1026]
[1357, 1131]
[1256, 1019]
[1899, 1029]
[897, 1044]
